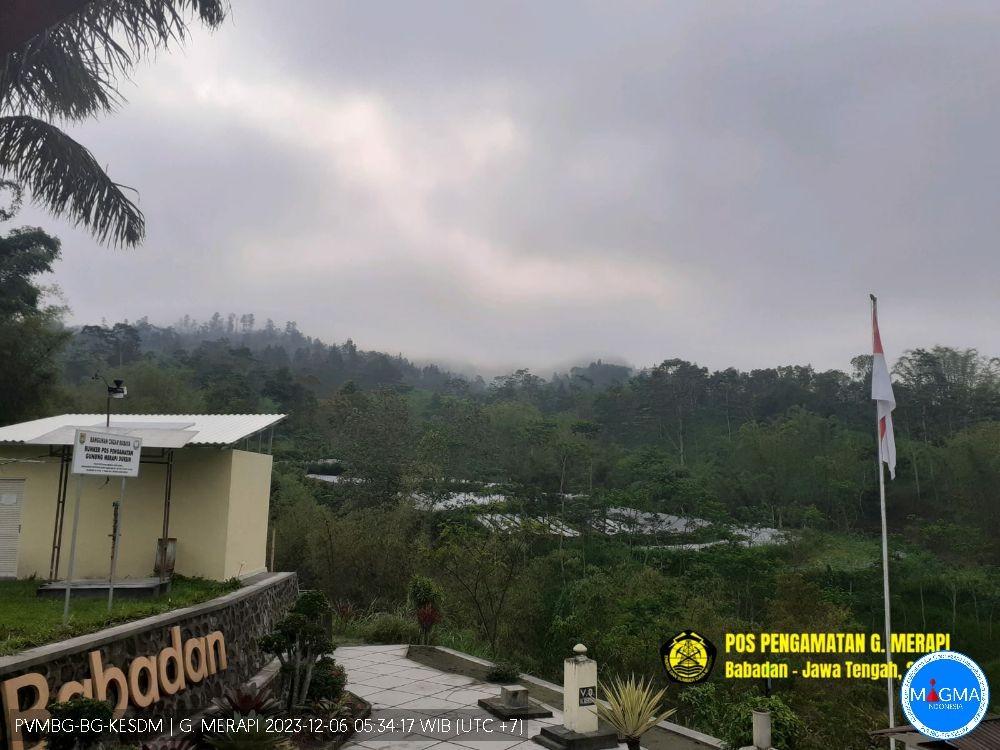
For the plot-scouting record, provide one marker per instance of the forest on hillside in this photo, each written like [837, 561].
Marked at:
[786, 447]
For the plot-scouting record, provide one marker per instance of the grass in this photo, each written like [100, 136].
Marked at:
[27, 620]
[357, 631]
[841, 552]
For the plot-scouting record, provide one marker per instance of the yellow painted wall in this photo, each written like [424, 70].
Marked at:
[199, 508]
[35, 544]
[218, 514]
[249, 505]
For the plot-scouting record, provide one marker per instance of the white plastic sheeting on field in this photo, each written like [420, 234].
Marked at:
[621, 520]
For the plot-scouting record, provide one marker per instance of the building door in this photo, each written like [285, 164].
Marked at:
[11, 502]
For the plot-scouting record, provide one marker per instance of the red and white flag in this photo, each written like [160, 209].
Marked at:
[885, 402]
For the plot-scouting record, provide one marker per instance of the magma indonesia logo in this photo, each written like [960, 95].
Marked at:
[688, 657]
[945, 695]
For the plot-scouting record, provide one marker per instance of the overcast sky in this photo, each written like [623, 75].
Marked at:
[537, 183]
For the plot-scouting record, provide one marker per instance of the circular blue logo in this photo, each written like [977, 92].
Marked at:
[945, 695]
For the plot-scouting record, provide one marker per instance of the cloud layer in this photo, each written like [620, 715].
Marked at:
[531, 183]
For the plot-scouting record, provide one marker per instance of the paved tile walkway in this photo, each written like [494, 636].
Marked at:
[394, 684]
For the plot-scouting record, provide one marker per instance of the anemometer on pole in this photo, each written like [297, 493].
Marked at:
[108, 455]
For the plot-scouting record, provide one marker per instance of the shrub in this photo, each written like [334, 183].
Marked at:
[391, 628]
[729, 716]
[298, 640]
[427, 617]
[322, 731]
[73, 711]
[423, 592]
[328, 681]
[169, 743]
[503, 671]
[246, 700]
[251, 734]
[345, 610]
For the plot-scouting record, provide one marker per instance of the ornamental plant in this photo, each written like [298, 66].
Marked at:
[425, 597]
[248, 733]
[422, 592]
[299, 639]
[632, 708]
[245, 700]
[73, 711]
[169, 743]
[428, 616]
[328, 681]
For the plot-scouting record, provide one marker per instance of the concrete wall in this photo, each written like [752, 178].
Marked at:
[249, 506]
[242, 616]
[199, 509]
[219, 514]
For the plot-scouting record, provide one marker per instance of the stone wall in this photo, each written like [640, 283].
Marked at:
[242, 616]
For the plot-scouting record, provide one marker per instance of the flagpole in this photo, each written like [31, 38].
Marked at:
[885, 557]
[885, 587]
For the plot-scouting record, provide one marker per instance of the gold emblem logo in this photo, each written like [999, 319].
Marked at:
[83, 438]
[688, 657]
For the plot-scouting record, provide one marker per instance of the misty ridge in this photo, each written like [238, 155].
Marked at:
[283, 345]
[941, 389]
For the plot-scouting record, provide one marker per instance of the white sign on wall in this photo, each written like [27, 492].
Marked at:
[106, 455]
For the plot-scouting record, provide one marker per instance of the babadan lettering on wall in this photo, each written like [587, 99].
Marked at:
[145, 682]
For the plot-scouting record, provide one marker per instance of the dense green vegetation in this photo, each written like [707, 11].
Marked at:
[787, 447]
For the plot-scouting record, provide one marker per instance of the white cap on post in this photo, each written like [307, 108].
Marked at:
[580, 691]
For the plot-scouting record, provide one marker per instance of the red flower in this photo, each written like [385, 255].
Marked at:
[428, 616]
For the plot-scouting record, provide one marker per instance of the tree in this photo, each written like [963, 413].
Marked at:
[949, 390]
[373, 432]
[30, 334]
[483, 569]
[153, 388]
[69, 72]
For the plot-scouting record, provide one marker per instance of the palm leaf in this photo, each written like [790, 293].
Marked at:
[71, 70]
[632, 707]
[64, 176]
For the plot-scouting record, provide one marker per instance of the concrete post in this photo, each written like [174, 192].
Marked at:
[580, 691]
[762, 729]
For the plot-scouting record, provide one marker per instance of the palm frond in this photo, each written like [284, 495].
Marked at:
[632, 707]
[64, 176]
[71, 70]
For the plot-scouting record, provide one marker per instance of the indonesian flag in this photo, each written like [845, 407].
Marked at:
[885, 402]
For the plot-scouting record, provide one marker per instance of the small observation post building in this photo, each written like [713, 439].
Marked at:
[199, 506]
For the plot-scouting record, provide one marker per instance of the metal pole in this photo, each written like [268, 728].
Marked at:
[60, 508]
[274, 539]
[166, 516]
[885, 544]
[885, 584]
[72, 550]
[114, 546]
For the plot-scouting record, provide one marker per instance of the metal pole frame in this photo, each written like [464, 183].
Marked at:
[166, 517]
[117, 531]
[72, 550]
[57, 529]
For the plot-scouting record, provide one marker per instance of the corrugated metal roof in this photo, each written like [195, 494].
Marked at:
[984, 737]
[204, 429]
